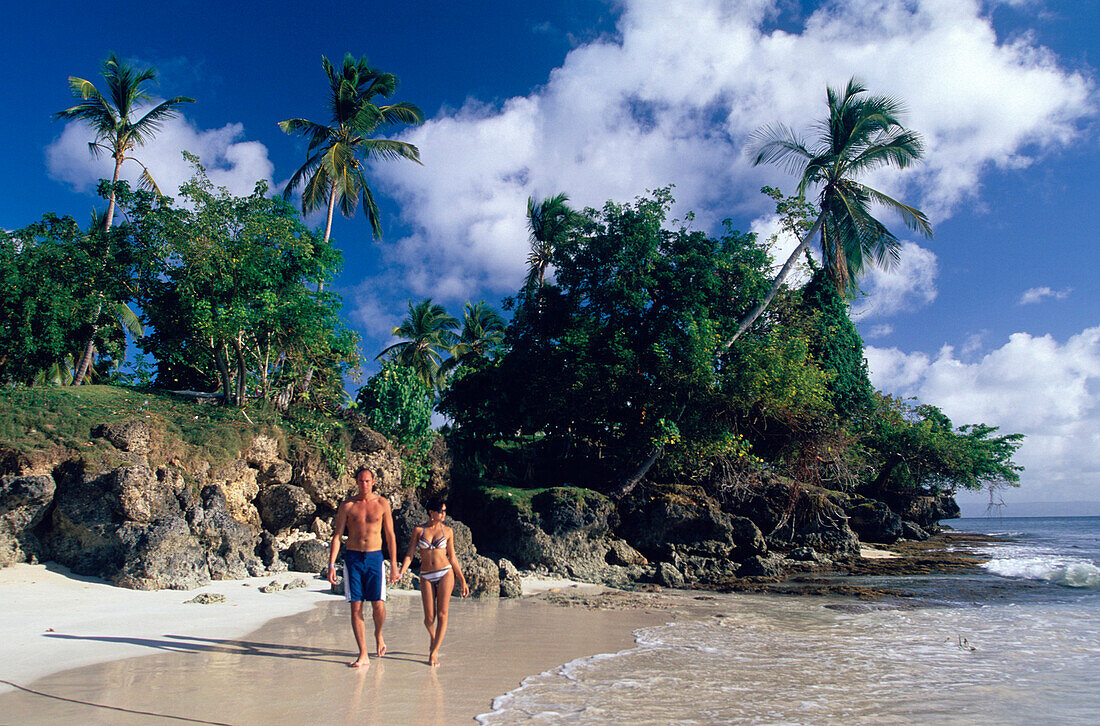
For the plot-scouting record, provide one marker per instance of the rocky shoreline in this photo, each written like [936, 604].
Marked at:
[146, 513]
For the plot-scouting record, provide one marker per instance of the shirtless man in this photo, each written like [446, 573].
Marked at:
[368, 519]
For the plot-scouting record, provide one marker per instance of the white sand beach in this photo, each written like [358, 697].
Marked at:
[94, 653]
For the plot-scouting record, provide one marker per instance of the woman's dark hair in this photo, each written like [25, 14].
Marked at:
[435, 503]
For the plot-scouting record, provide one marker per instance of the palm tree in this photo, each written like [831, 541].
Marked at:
[482, 331]
[111, 117]
[861, 133]
[428, 332]
[334, 164]
[548, 222]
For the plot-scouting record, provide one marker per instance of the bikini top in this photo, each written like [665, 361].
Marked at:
[438, 543]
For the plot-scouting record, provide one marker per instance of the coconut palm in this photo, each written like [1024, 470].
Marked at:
[861, 133]
[334, 166]
[427, 333]
[482, 331]
[111, 117]
[548, 222]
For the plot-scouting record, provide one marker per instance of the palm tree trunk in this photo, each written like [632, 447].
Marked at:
[756, 312]
[111, 202]
[321, 284]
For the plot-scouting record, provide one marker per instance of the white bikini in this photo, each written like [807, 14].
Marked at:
[439, 543]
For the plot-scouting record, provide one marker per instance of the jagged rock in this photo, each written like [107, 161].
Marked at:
[804, 554]
[667, 575]
[161, 556]
[133, 435]
[309, 555]
[275, 472]
[24, 501]
[262, 450]
[482, 576]
[790, 515]
[521, 531]
[232, 547]
[623, 554]
[406, 518]
[873, 521]
[206, 598]
[758, 566]
[323, 529]
[239, 484]
[683, 523]
[511, 584]
[141, 495]
[924, 510]
[439, 467]
[284, 506]
[273, 586]
[296, 584]
[913, 531]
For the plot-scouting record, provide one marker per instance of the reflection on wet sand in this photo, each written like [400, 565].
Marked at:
[292, 670]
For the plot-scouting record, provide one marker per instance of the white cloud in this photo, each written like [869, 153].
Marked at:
[1047, 390]
[1038, 294]
[908, 285]
[229, 161]
[880, 331]
[673, 99]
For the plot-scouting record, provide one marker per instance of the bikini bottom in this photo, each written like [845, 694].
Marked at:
[435, 575]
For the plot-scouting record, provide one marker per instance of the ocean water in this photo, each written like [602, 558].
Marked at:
[1015, 643]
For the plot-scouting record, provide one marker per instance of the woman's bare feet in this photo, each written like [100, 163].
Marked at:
[433, 658]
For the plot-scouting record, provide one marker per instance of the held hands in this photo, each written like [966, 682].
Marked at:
[395, 573]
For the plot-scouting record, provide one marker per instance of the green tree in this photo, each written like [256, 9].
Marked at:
[117, 132]
[482, 335]
[63, 285]
[428, 333]
[916, 450]
[548, 221]
[621, 358]
[334, 166]
[234, 302]
[860, 134]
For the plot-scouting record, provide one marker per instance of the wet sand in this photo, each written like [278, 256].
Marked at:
[293, 669]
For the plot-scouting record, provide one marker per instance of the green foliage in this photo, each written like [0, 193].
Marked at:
[427, 333]
[59, 286]
[916, 449]
[233, 303]
[837, 347]
[617, 356]
[398, 403]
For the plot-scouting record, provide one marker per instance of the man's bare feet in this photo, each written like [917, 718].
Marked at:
[361, 662]
[381, 647]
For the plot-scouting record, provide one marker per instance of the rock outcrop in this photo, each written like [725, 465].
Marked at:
[24, 501]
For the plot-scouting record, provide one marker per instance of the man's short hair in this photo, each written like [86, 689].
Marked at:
[367, 469]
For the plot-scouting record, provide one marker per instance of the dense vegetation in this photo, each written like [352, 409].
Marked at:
[637, 346]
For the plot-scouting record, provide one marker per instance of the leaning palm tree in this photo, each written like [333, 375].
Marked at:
[111, 117]
[548, 221]
[427, 333]
[334, 166]
[861, 133]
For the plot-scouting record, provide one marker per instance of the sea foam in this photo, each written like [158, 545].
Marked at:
[1071, 572]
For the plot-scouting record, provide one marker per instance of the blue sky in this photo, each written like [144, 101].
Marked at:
[996, 319]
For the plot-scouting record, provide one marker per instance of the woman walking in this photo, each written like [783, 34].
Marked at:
[434, 542]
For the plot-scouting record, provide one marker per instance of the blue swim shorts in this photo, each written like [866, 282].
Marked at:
[363, 576]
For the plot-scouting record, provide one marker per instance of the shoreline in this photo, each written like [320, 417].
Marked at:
[292, 668]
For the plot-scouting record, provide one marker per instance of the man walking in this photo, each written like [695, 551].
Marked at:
[368, 520]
